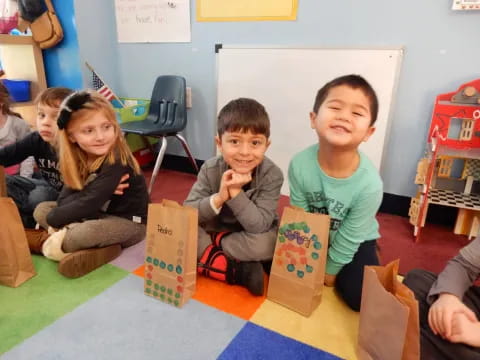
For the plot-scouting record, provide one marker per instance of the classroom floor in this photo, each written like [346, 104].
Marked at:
[105, 315]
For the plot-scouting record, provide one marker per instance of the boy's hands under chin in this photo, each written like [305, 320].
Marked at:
[230, 185]
[222, 196]
[236, 181]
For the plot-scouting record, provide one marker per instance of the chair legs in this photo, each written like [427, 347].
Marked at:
[158, 163]
[187, 150]
[161, 153]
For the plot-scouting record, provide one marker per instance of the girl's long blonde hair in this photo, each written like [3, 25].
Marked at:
[74, 166]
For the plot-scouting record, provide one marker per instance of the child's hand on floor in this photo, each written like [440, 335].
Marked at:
[441, 313]
[464, 330]
[330, 280]
[122, 185]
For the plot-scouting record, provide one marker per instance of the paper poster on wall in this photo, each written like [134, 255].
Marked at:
[153, 20]
[466, 5]
[246, 10]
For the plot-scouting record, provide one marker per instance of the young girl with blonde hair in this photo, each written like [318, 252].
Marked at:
[89, 223]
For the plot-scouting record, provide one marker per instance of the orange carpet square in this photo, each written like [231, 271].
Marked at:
[140, 271]
[232, 299]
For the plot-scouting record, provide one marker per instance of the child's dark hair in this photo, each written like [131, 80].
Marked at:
[355, 82]
[53, 96]
[244, 115]
[6, 101]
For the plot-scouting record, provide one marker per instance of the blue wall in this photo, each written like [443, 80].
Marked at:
[441, 52]
[62, 64]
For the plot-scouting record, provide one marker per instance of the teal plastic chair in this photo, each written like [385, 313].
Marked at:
[167, 116]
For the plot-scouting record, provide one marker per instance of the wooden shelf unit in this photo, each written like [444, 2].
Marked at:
[22, 60]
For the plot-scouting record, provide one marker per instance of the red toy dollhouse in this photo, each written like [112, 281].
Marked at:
[449, 174]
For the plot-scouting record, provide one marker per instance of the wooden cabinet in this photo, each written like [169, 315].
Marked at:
[22, 59]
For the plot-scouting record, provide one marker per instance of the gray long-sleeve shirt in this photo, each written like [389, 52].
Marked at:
[459, 274]
[252, 210]
[15, 129]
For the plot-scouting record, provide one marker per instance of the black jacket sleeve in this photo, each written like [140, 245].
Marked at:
[17, 152]
[74, 206]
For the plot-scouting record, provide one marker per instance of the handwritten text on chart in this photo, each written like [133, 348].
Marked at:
[153, 20]
[146, 13]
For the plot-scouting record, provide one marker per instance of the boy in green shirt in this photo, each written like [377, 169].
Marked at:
[333, 177]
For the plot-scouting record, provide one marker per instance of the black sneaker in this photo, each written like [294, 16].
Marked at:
[250, 275]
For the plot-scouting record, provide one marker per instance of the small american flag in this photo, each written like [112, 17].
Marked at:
[101, 87]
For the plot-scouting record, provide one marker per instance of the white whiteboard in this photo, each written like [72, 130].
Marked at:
[152, 20]
[286, 80]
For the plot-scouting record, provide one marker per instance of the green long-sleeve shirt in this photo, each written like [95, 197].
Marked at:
[352, 203]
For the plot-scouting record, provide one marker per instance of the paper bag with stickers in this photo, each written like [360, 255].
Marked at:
[16, 264]
[171, 252]
[298, 267]
[389, 325]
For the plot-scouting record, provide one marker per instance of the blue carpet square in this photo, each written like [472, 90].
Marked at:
[256, 342]
[123, 323]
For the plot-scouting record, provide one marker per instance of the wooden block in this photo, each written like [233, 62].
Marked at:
[465, 222]
[474, 228]
[3, 186]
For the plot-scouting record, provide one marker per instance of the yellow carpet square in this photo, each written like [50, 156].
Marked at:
[332, 327]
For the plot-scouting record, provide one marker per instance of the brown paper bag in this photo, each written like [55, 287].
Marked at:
[298, 267]
[16, 264]
[389, 325]
[171, 252]
[3, 186]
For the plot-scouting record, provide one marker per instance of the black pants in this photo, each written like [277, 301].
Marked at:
[349, 280]
[432, 346]
[27, 194]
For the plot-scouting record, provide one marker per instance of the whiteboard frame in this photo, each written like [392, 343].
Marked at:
[398, 65]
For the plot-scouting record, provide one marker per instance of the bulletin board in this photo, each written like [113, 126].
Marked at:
[153, 21]
[246, 10]
[286, 80]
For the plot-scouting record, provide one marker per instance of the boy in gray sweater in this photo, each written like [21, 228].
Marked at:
[236, 195]
[449, 307]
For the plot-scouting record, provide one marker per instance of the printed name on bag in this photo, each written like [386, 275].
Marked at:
[164, 230]
[296, 235]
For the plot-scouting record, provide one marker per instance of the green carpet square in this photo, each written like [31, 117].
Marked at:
[46, 297]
